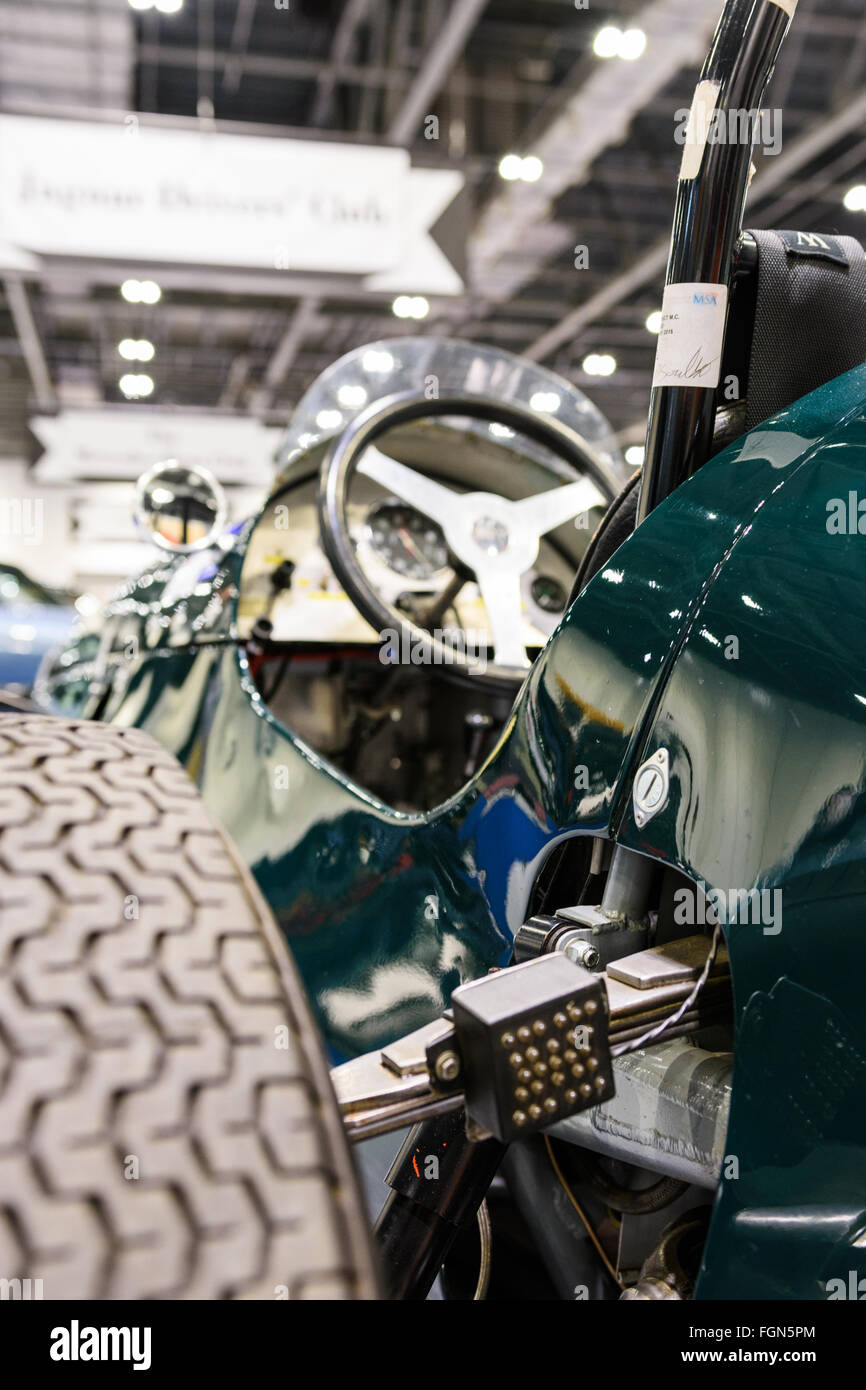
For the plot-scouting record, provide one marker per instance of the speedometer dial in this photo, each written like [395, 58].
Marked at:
[407, 541]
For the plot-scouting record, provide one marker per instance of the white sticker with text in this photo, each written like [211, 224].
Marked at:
[698, 128]
[689, 349]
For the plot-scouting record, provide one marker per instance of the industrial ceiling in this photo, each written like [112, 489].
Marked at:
[501, 76]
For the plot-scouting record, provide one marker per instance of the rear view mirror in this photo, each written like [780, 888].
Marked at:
[182, 508]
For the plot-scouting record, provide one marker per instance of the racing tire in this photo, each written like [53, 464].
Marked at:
[167, 1124]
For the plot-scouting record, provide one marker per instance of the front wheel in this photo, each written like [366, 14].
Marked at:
[167, 1125]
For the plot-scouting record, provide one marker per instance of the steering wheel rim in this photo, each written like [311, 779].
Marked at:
[345, 452]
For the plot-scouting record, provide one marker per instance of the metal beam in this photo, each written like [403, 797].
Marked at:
[31, 343]
[304, 318]
[398, 57]
[377, 55]
[596, 115]
[235, 382]
[652, 264]
[438, 62]
[351, 19]
[264, 64]
[238, 45]
[305, 69]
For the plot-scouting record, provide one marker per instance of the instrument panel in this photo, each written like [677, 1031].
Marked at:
[403, 553]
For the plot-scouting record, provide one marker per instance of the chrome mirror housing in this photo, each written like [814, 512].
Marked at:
[182, 508]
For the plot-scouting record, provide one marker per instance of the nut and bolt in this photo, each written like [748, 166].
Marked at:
[582, 952]
[447, 1066]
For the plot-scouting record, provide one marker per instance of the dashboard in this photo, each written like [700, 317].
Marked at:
[401, 551]
[410, 734]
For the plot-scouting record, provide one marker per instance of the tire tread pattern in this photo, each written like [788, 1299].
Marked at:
[144, 988]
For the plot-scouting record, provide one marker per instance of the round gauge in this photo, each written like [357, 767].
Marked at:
[548, 594]
[408, 542]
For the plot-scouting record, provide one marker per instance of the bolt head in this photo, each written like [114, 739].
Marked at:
[649, 788]
[447, 1066]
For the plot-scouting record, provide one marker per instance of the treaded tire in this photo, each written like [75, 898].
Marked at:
[143, 987]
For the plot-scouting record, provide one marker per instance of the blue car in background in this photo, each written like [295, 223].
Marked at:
[33, 619]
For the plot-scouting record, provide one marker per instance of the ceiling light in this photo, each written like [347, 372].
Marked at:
[654, 321]
[855, 198]
[510, 166]
[377, 360]
[353, 397]
[599, 364]
[607, 41]
[611, 42]
[141, 291]
[141, 4]
[528, 168]
[169, 6]
[547, 402]
[136, 349]
[632, 44]
[411, 306]
[634, 455]
[329, 419]
[134, 387]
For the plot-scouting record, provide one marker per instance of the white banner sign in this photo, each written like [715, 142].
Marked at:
[124, 443]
[134, 193]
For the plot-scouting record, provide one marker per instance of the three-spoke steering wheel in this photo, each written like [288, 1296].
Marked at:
[493, 537]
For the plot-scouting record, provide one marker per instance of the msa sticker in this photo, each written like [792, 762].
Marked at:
[689, 349]
[698, 128]
[817, 244]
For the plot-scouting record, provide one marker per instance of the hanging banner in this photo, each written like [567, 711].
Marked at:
[125, 442]
[129, 192]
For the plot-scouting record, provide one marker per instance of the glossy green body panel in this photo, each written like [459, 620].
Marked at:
[767, 740]
[387, 912]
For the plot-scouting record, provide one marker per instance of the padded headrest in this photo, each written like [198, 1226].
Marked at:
[810, 317]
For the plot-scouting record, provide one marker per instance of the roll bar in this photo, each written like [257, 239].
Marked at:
[711, 193]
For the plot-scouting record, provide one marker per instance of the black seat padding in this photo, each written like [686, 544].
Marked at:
[810, 317]
[797, 319]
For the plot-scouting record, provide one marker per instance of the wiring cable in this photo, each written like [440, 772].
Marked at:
[634, 1043]
[485, 1237]
[563, 1182]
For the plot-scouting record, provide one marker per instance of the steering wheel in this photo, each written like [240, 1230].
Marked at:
[492, 537]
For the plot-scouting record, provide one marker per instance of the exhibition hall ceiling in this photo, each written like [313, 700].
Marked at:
[557, 252]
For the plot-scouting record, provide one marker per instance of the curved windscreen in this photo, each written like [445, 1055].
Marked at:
[440, 366]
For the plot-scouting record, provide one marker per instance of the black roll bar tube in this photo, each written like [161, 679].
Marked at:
[711, 193]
